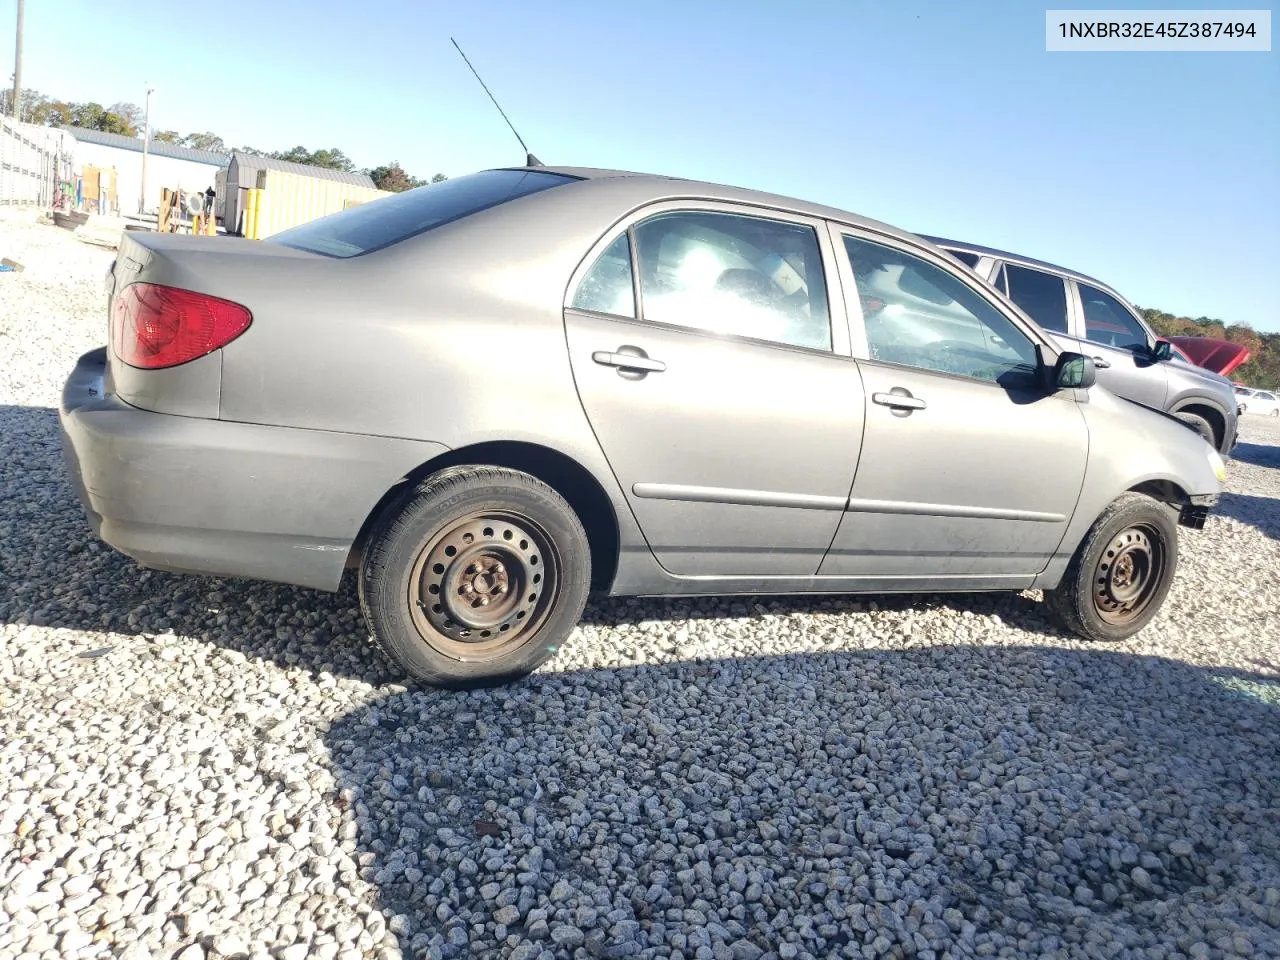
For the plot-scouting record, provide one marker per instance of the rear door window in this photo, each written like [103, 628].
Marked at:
[725, 273]
[1041, 295]
[380, 223]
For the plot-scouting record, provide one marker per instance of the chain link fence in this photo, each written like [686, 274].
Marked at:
[35, 164]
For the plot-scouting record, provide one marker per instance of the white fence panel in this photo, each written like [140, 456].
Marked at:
[32, 162]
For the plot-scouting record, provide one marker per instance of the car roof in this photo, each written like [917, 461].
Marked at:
[664, 186]
[1016, 257]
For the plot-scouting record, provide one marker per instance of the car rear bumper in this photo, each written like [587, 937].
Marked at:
[220, 498]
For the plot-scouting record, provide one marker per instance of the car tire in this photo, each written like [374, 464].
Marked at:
[476, 577]
[1121, 573]
[1201, 426]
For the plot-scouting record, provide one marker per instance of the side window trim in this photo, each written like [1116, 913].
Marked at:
[983, 288]
[633, 248]
[1075, 313]
[840, 345]
[850, 305]
[987, 267]
[1000, 279]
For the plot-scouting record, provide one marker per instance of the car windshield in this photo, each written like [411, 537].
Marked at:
[387, 220]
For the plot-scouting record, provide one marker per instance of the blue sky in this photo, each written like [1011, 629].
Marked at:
[1158, 173]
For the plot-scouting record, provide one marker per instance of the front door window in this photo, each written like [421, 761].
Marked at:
[1106, 321]
[919, 315]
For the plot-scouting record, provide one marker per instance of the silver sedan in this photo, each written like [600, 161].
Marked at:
[492, 395]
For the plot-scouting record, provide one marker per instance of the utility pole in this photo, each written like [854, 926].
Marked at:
[17, 68]
[146, 145]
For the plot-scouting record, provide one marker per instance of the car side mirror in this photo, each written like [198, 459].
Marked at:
[1074, 371]
[1163, 350]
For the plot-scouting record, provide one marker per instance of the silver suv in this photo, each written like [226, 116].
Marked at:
[1085, 315]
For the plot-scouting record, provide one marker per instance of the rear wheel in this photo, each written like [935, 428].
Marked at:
[1201, 426]
[1121, 573]
[476, 578]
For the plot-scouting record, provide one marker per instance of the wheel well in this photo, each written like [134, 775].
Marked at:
[563, 474]
[1216, 420]
[1166, 491]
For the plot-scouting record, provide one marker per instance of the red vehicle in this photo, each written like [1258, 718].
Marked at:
[1220, 356]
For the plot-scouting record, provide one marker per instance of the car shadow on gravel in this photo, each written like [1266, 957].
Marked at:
[1259, 454]
[934, 797]
[1262, 513]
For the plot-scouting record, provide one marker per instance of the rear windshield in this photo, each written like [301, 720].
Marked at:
[387, 220]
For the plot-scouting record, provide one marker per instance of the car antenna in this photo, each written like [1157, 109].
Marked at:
[530, 159]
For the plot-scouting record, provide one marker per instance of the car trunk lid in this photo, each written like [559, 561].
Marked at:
[161, 275]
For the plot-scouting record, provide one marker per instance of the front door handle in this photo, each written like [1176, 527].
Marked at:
[898, 401]
[628, 358]
[1100, 363]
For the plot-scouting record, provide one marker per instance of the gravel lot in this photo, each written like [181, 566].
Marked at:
[205, 768]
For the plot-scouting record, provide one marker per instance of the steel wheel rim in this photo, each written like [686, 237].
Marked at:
[1128, 574]
[483, 585]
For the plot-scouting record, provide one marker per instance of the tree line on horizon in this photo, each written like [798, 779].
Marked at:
[126, 119]
[1263, 369]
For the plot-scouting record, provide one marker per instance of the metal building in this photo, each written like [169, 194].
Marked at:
[168, 165]
[330, 191]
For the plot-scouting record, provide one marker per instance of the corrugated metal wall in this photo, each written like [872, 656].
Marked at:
[289, 199]
[33, 160]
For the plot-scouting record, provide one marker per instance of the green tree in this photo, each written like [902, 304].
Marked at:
[35, 106]
[58, 114]
[92, 116]
[130, 113]
[1263, 367]
[204, 141]
[438, 178]
[333, 158]
[166, 136]
[393, 178]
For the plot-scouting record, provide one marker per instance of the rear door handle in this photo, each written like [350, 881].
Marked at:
[1100, 363]
[899, 401]
[624, 359]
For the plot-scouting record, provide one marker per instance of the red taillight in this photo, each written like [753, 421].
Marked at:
[155, 326]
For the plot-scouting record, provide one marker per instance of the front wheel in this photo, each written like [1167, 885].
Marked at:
[477, 578]
[1121, 572]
